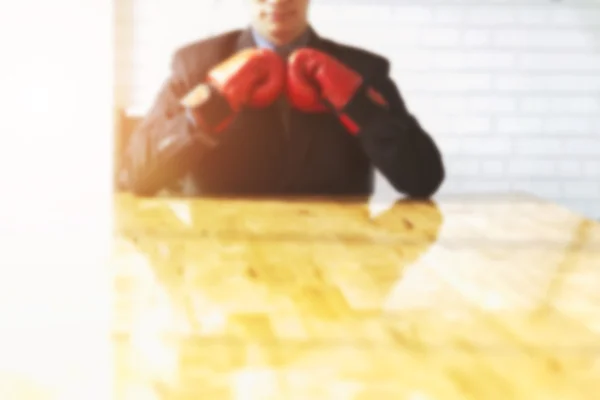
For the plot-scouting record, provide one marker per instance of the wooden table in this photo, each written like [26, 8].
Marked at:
[468, 298]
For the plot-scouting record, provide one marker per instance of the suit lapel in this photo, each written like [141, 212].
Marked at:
[245, 40]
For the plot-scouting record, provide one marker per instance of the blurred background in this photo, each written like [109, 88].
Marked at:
[510, 90]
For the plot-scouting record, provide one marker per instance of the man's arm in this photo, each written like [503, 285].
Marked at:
[369, 106]
[397, 144]
[186, 123]
[166, 144]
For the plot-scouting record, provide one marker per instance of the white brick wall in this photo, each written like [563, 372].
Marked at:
[510, 90]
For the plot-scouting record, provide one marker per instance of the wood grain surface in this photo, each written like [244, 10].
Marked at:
[493, 297]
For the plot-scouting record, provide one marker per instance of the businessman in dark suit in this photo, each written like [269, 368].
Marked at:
[277, 110]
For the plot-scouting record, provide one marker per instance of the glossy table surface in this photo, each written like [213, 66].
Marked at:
[466, 298]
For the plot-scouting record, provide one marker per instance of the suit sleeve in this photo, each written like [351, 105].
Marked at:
[166, 144]
[395, 142]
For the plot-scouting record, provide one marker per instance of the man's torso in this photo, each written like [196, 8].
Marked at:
[276, 151]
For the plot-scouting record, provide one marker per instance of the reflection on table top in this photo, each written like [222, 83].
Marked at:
[466, 298]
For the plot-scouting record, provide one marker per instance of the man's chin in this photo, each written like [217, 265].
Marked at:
[282, 34]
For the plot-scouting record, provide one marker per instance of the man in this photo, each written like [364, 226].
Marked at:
[277, 110]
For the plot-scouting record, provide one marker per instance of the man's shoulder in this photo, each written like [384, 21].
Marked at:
[364, 60]
[193, 59]
[207, 46]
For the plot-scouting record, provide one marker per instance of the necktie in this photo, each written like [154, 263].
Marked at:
[284, 111]
[283, 105]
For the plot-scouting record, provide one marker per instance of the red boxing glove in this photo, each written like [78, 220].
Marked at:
[317, 82]
[250, 78]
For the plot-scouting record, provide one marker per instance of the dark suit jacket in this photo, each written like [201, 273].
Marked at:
[270, 152]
